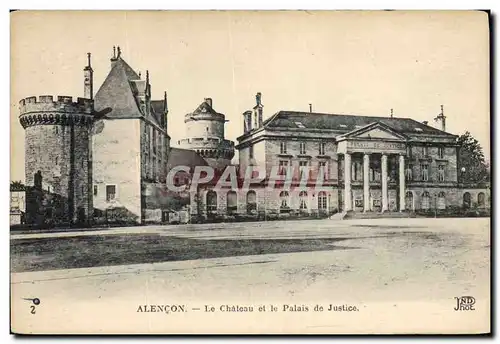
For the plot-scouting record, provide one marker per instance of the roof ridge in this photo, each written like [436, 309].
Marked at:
[337, 114]
[347, 122]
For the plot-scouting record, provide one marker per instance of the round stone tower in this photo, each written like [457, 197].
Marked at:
[58, 159]
[205, 135]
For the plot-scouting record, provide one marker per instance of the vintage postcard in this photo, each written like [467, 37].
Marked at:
[250, 172]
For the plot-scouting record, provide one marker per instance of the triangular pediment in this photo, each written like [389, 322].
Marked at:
[376, 130]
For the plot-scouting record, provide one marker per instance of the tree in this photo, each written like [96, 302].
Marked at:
[16, 185]
[472, 164]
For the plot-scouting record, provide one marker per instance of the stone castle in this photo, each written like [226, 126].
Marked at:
[105, 158]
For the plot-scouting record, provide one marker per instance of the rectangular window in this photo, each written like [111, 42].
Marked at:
[356, 171]
[409, 172]
[425, 172]
[426, 151]
[95, 190]
[154, 141]
[321, 148]
[441, 173]
[146, 139]
[110, 192]
[302, 167]
[283, 167]
[323, 169]
[283, 147]
[441, 152]
[302, 148]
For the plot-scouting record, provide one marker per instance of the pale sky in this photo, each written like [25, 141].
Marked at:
[361, 63]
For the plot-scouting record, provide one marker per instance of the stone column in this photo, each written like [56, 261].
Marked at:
[384, 184]
[347, 182]
[402, 192]
[366, 182]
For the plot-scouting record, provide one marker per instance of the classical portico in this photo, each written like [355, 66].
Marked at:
[374, 164]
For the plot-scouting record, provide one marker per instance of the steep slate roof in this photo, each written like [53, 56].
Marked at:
[185, 157]
[117, 93]
[347, 123]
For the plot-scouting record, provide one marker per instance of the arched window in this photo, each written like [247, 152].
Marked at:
[441, 200]
[211, 202]
[284, 199]
[232, 202]
[322, 205]
[466, 200]
[251, 202]
[303, 200]
[426, 200]
[481, 199]
[409, 200]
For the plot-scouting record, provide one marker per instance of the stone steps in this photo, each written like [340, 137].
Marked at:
[372, 215]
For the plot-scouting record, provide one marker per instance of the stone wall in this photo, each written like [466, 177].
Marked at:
[117, 161]
[60, 153]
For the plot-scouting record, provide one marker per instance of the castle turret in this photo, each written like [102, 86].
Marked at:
[88, 73]
[57, 159]
[205, 135]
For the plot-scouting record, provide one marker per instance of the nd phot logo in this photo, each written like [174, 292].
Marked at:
[465, 303]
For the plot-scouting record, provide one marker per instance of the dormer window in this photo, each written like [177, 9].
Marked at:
[419, 130]
[343, 126]
[300, 125]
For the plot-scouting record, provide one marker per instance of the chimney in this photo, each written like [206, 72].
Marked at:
[258, 110]
[165, 111]
[425, 122]
[441, 118]
[209, 101]
[88, 84]
[247, 121]
[310, 108]
[258, 98]
[392, 113]
[115, 57]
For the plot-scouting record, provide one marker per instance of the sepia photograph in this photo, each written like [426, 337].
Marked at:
[250, 172]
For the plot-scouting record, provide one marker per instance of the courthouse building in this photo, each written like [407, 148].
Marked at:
[368, 164]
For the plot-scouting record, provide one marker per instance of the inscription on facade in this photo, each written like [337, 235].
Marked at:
[376, 145]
